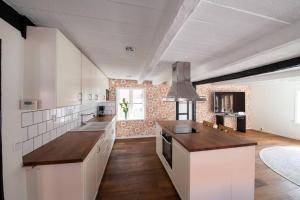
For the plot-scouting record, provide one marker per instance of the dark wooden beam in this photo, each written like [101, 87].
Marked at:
[11, 16]
[282, 65]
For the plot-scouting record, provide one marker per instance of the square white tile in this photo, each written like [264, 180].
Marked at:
[24, 134]
[46, 137]
[42, 128]
[37, 117]
[27, 146]
[46, 115]
[37, 141]
[53, 134]
[32, 131]
[27, 119]
[49, 125]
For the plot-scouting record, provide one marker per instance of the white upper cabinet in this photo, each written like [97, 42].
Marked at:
[68, 72]
[52, 73]
[87, 80]
[94, 82]
[57, 74]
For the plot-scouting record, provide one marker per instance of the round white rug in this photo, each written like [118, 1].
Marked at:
[284, 160]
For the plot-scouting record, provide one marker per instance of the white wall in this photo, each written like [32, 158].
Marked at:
[273, 107]
[12, 70]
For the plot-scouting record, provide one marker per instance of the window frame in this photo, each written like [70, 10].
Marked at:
[130, 102]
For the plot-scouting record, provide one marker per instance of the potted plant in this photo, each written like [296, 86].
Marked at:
[124, 107]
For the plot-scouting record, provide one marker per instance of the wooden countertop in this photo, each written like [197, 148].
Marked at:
[104, 118]
[71, 147]
[206, 138]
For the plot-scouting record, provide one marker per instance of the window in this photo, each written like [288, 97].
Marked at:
[184, 110]
[136, 103]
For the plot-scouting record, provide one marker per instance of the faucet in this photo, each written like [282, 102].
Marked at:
[82, 115]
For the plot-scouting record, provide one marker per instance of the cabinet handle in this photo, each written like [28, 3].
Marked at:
[98, 149]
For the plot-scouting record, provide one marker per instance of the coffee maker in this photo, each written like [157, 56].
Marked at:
[100, 110]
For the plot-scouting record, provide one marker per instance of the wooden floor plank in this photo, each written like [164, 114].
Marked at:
[134, 172]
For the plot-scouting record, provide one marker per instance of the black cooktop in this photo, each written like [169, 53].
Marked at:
[182, 129]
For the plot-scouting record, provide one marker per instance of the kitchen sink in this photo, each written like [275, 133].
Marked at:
[92, 126]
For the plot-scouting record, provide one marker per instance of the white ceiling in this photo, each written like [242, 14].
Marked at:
[225, 36]
[103, 28]
[217, 36]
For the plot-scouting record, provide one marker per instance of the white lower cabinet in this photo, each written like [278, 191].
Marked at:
[76, 181]
[180, 167]
[90, 167]
[226, 174]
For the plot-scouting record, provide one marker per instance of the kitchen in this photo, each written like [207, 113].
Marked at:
[129, 99]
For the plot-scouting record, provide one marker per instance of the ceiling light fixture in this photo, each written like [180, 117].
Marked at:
[129, 48]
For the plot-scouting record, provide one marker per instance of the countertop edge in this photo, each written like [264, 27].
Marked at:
[190, 150]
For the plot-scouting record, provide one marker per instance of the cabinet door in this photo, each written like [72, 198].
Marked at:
[68, 72]
[95, 83]
[100, 163]
[180, 167]
[87, 80]
[90, 175]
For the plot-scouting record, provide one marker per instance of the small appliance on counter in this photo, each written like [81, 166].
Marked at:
[100, 110]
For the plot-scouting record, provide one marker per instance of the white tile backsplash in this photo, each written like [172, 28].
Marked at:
[56, 123]
[46, 138]
[53, 134]
[27, 119]
[49, 125]
[58, 112]
[37, 117]
[40, 127]
[32, 131]
[46, 115]
[37, 142]
[27, 146]
[24, 134]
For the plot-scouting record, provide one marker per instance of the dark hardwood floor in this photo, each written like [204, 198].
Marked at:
[134, 172]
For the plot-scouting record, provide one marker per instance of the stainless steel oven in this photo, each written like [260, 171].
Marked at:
[167, 147]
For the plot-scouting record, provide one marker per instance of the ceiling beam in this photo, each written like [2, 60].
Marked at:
[186, 9]
[282, 65]
[11, 16]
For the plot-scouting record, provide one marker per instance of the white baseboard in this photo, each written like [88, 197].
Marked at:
[135, 137]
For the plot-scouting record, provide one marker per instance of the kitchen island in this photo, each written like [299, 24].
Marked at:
[205, 163]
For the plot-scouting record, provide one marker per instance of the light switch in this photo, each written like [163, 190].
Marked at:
[29, 104]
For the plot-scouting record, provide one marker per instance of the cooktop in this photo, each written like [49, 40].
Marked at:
[182, 129]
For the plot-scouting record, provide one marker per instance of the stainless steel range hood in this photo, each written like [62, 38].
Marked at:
[182, 88]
